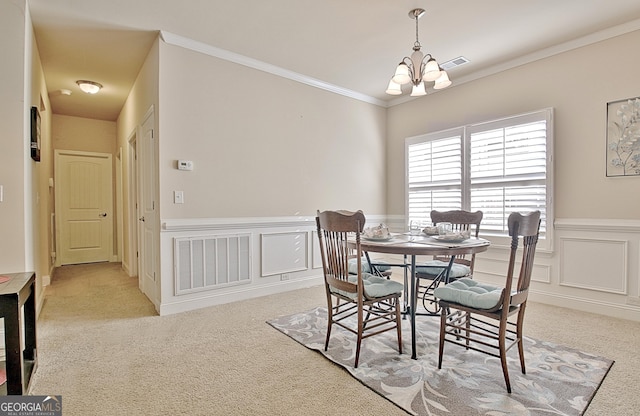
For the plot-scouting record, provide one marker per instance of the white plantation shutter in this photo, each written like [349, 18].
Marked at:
[508, 169]
[434, 172]
[497, 167]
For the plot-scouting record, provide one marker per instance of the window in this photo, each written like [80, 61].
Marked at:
[497, 167]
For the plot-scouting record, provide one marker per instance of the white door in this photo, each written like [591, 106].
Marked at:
[84, 206]
[147, 209]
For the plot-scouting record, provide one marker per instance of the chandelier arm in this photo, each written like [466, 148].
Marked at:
[409, 63]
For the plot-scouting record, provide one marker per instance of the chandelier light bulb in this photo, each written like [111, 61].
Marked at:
[442, 81]
[431, 70]
[394, 88]
[402, 74]
[418, 90]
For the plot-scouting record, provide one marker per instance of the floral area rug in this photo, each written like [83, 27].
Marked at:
[559, 380]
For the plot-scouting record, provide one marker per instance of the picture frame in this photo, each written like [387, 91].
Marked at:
[623, 138]
[35, 134]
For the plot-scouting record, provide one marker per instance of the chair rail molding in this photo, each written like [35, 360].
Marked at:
[597, 225]
[201, 224]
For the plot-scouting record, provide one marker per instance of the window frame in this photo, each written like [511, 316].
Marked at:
[465, 132]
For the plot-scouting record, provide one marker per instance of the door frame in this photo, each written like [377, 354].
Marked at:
[148, 254]
[132, 206]
[119, 206]
[57, 206]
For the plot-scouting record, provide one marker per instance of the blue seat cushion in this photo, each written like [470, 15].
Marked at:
[374, 286]
[353, 266]
[434, 267]
[469, 292]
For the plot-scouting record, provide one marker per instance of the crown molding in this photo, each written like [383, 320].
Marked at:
[194, 45]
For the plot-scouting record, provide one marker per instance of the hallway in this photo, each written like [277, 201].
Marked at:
[95, 291]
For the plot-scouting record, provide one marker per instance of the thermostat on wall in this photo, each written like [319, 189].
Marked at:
[185, 165]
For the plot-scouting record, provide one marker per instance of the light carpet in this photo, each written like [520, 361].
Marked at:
[559, 380]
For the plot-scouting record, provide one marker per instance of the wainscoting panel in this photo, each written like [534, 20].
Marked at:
[274, 256]
[595, 264]
[316, 256]
[209, 262]
[497, 269]
[598, 267]
[284, 252]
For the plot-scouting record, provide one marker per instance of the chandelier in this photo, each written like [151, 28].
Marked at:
[418, 69]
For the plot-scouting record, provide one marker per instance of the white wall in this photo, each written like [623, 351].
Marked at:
[263, 145]
[15, 162]
[24, 205]
[42, 194]
[142, 97]
[267, 152]
[597, 210]
[83, 134]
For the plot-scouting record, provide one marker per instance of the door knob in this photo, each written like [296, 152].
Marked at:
[141, 219]
[104, 214]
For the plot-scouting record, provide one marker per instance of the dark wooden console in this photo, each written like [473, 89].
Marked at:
[19, 329]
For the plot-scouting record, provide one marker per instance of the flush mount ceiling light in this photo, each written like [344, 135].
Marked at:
[89, 87]
[418, 69]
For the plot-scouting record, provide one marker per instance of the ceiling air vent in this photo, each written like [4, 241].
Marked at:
[460, 60]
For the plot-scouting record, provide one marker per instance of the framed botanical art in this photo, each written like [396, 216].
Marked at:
[35, 134]
[623, 137]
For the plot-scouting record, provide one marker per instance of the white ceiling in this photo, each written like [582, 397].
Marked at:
[352, 44]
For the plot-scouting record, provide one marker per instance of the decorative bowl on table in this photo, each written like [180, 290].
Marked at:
[378, 233]
[430, 230]
[454, 236]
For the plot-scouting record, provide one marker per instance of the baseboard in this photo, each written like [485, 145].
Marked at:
[127, 270]
[237, 294]
[615, 310]
[40, 300]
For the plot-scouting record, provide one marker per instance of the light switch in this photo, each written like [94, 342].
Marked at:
[178, 197]
[1, 193]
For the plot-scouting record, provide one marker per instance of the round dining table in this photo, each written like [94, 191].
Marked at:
[421, 245]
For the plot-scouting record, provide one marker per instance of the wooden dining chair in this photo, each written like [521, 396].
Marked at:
[373, 300]
[475, 315]
[431, 274]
